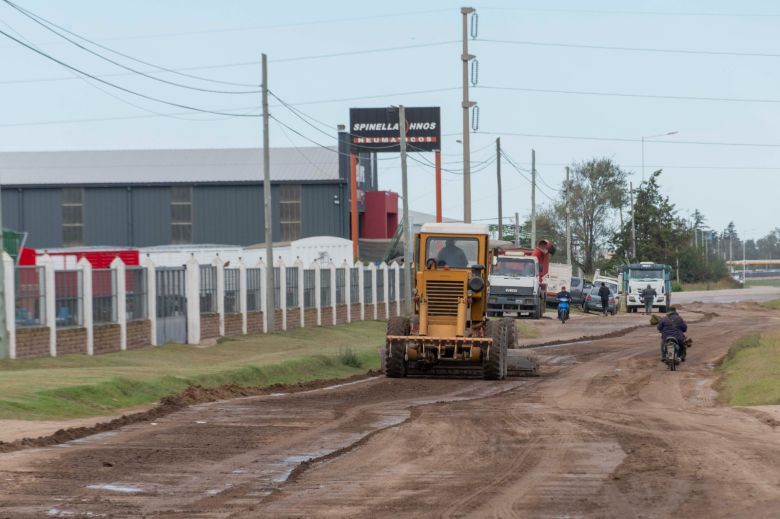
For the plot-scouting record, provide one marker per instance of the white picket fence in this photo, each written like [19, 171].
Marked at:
[41, 307]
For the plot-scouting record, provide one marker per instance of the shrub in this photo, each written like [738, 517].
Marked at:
[350, 358]
[677, 287]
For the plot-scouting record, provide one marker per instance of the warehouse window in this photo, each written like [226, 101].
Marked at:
[72, 216]
[181, 215]
[290, 211]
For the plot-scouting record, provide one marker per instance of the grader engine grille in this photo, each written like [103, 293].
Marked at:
[443, 297]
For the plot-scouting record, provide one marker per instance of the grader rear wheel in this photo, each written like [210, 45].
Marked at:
[494, 367]
[395, 351]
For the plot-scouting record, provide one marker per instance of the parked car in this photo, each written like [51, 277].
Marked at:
[576, 289]
[593, 302]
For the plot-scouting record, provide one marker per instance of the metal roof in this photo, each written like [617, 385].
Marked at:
[166, 166]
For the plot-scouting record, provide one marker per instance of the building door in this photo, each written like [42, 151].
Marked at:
[171, 305]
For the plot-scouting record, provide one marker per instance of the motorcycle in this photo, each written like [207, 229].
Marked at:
[563, 309]
[671, 353]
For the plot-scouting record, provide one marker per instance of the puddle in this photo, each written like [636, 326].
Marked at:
[94, 437]
[345, 384]
[124, 489]
[279, 394]
[290, 462]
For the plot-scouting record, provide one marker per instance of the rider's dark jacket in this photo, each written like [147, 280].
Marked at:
[673, 326]
[563, 294]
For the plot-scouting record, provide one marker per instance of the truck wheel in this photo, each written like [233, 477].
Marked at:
[662, 309]
[395, 350]
[494, 368]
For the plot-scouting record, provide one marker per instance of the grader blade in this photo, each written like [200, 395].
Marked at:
[522, 363]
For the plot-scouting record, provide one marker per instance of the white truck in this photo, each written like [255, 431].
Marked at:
[558, 277]
[637, 276]
[514, 286]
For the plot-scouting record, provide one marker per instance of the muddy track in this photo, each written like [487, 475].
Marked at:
[601, 433]
[170, 404]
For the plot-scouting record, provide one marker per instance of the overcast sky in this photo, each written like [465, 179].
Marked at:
[737, 179]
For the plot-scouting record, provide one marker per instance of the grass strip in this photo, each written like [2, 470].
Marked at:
[74, 386]
[750, 372]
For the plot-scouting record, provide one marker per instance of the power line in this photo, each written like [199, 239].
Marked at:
[364, 51]
[48, 25]
[634, 13]
[660, 50]
[626, 139]
[704, 167]
[118, 87]
[624, 94]
[518, 170]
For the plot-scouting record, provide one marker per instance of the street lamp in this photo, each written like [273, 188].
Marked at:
[643, 147]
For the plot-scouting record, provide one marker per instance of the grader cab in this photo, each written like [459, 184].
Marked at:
[449, 332]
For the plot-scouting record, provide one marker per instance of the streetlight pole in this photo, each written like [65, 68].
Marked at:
[643, 147]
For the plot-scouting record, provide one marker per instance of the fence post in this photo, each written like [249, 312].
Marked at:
[386, 288]
[361, 290]
[317, 292]
[372, 273]
[301, 291]
[282, 292]
[9, 278]
[86, 303]
[397, 281]
[333, 305]
[242, 290]
[263, 288]
[348, 289]
[151, 297]
[192, 276]
[118, 266]
[219, 267]
[51, 302]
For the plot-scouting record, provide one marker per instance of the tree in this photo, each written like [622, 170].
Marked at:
[664, 237]
[594, 193]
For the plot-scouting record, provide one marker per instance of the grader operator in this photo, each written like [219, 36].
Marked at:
[449, 332]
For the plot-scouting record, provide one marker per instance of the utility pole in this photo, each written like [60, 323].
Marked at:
[533, 198]
[466, 104]
[269, 242]
[633, 221]
[568, 222]
[498, 178]
[407, 220]
[517, 229]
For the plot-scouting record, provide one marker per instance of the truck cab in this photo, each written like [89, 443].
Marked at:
[514, 286]
[637, 276]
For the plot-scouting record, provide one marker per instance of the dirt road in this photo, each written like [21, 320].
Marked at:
[607, 431]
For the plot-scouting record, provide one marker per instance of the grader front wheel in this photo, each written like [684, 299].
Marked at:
[395, 351]
[494, 367]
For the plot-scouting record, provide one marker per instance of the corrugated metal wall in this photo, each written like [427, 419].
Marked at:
[98, 228]
[141, 216]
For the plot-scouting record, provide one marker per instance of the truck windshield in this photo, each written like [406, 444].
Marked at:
[647, 274]
[458, 253]
[519, 268]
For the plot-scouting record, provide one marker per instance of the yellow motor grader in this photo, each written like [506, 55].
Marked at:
[449, 332]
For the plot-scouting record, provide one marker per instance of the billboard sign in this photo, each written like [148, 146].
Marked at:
[377, 129]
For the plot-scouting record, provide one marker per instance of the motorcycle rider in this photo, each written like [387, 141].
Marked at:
[604, 294]
[673, 326]
[564, 294]
[648, 295]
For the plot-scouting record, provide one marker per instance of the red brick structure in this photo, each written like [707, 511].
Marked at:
[209, 326]
[310, 317]
[341, 314]
[139, 334]
[106, 338]
[233, 325]
[293, 318]
[32, 342]
[254, 323]
[71, 340]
